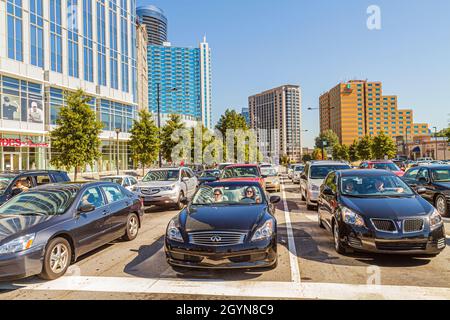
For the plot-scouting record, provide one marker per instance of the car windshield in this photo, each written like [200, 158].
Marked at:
[210, 174]
[386, 166]
[299, 168]
[320, 172]
[228, 195]
[441, 175]
[112, 179]
[4, 183]
[375, 186]
[39, 203]
[240, 172]
[162, 175]
[269, 172]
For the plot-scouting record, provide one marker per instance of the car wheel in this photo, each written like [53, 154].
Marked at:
[179, 204]
[57, 259]
[132, 227]
[337, 240]
[441, 205]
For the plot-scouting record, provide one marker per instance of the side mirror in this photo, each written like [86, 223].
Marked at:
[85, 208]
[185, 179]
[16, 191]
[184, 201]
[328, 192]
[421, 191]
[274, 199]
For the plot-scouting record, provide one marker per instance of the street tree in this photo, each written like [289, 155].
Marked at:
[353, 151]
[285, 160]
[364, 148]
[75, 141]
[383, 145]
[317, 154]
[144, 141]
[307, 157]
[167, 144]
[341, 152]
[329, 137]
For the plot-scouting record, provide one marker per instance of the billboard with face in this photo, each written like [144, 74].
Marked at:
[10, 107]
[35, 111]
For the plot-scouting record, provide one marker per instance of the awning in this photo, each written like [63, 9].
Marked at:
[416, 150]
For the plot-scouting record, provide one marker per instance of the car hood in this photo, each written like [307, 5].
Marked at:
[317, 182]
[19, 225]
[272, 179]
[392, 208]
[152, 184]
[241, 179]
[226, 218]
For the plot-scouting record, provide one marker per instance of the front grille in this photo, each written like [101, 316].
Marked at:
[216, 239]
[400, 246]
[384, 225]
[150, 191]
[413, 225]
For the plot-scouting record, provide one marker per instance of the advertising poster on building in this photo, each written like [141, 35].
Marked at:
[35, 111]
[10, 107]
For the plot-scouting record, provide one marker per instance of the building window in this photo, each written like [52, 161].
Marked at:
[113, 48]
[87, 41]
[55, 36]
[124, 46]
[72, 37]
[36, 33]
[101, 42]
[14, 14]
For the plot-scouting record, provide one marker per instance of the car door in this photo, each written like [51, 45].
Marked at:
[423, 181]
[133, 182]
[119, 208]
[303, 180]
[410, 177]
[328, 202]
[190, 183]
[91, 226]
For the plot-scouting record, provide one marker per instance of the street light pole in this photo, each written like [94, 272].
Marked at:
[158, 103]
[118, 130]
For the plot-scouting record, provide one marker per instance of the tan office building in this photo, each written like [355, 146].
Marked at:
[358, 108]
[278, 111]
[142, 66]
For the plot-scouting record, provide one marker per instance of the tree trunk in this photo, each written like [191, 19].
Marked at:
[75, 174]
[143, 170]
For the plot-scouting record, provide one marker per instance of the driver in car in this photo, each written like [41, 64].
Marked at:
[349, 187]
[218, 196]
[250, 196]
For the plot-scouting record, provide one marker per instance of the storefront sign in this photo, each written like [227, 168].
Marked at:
[21, 143]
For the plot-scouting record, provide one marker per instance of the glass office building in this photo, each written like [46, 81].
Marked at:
[52, 46]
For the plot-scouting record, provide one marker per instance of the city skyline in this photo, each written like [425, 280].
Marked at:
[317, 46]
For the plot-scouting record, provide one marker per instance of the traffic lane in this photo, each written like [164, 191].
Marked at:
[319, 262]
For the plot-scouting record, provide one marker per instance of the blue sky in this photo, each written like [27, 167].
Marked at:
[260, 44]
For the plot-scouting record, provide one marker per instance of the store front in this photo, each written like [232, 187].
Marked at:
[23, 152]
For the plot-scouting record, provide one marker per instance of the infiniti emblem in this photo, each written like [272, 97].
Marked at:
[216, 239]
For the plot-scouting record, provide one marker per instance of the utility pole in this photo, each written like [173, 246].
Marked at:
[118, 130]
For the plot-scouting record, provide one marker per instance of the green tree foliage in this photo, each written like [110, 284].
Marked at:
[382, 146]
[167, 144]
[200, 139]
[75, 141]
[330, 137]
[307, 157]
[317, 154]
[353, 151]
[144, 141]
[364, 148]
[341, 152]
[284, 160]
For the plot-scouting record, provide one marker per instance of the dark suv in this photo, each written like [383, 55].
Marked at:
[14, 182]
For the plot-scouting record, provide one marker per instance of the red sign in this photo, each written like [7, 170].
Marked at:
[21, 143]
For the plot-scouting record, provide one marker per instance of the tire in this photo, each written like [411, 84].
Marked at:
[337, 240]
[179, 205]
[441, 205]
[57, 249]
[132, 228]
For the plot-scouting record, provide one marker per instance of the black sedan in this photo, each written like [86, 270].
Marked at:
[208, 176]
[44, 230]
[227, 225]
[435, 180]
[375, 211]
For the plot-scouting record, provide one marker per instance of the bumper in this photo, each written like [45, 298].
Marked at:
[239, 257]
[424, 242]
[21, 265]
[163, 199]
[272, 186]
[312, 197]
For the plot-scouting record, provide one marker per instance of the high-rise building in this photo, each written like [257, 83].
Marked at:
[156, 22]
[246, 114]
[358, 108]
[278, 112]
[47, 47]
[205, 82]
[142, 66]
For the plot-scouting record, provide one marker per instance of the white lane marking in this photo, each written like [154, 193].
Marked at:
[295, 271]
[251, 289]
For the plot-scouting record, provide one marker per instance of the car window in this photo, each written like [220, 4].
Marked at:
[4, 183]
[330, 182]
[411, 174]
[162, 175]
[126, 182]
[441, 175]
[133, 181]
[229, 195]
[423, 173]
[42, 179]
[94, 197]
[113, 194]
[60, 177]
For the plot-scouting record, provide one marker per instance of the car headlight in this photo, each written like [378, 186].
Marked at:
[168, 188]
[435, 219]
[265, 231]
[173, 233]
[352, 218]
[18, 245]
[313, 187]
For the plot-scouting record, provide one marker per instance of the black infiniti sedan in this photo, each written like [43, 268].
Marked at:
[375, 211]
[44, 230]
[435, 180]
[227, 225]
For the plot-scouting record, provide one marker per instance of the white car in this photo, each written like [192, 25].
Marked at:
[291, 170]
[298, 169]
[128, 182]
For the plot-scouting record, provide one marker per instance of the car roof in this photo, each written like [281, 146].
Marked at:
[365, 173]
[17, 172]
[78, 185]
[234, 183]
[437, 166]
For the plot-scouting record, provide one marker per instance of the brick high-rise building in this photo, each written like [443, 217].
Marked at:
[358, 108]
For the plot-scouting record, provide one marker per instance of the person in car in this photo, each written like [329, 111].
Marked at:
[22, 185]
[250, 196]
[349, 187]
[218, 196]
